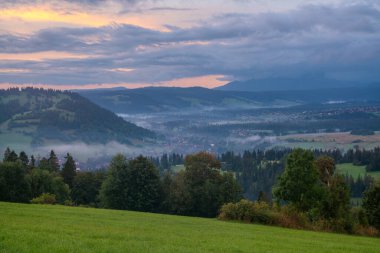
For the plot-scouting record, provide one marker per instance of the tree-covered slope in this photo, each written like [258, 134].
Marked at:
[50, 116]
[164, 99]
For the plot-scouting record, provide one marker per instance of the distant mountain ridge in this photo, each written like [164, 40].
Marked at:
[282, 84]
[167, 99]
[48, 116]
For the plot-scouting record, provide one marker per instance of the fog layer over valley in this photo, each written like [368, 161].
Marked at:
[154, 121]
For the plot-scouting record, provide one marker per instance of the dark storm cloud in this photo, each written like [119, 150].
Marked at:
[341, 41]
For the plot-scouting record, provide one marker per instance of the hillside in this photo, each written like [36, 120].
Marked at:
[38, 228]
[278, 84]
[169, 99]
[164, 99]
[46, 116]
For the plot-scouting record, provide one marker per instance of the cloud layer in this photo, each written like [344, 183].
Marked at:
[339, 41]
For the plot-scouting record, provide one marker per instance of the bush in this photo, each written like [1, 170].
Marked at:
[45, 198]
[68, 202]
[247, 211]
[262, 213]
[367, 231]
[290, 217]
[358, 215]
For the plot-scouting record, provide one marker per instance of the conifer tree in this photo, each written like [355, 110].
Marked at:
[69, 170]
[53, 162]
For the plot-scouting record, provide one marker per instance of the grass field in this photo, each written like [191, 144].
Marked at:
[36, 228]
[354, 170]
[350, 169]
[341, 140]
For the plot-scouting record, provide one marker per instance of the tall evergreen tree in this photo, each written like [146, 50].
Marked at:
[32, 162]
[24, 158]
[69, 170]
[53, 162]
[10, 155]
[7, 153]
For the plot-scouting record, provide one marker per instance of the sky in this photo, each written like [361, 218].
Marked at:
[79, 44]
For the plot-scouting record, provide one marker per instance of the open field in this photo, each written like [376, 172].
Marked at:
[342, 140]
[354, 170]
[37, 228]
[350, 169]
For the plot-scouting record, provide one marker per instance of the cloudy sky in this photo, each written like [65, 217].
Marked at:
[134, 43]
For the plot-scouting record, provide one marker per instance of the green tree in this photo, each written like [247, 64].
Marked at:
[145, 191]
[337, 202]
[40, 182]
[7, 153]
[230, 189]
[14, 186]
[202, 189]
[24, 158]
[114, 192]
[53, 162]
[10, 155]
[69, 170]
[371, 204]
[133, 185]
[299, 183]
[86, 187]
[43, 164]
[32, 162]
[177, 198]
[60, 189]
[43, 181]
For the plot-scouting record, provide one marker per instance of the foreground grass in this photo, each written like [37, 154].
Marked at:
[36, 228]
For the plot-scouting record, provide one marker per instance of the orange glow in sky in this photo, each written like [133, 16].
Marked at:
[210, 81]
[45, 14]
[40, 56]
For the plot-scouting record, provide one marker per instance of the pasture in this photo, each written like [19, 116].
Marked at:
[41, 228]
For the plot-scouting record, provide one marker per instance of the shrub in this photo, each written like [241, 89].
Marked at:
[358, 214]
[68, 202]
[247, 211]
[289, 217]
[367, 231]
[45, 198]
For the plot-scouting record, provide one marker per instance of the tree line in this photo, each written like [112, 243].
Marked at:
[307, 194]
[258, 170]
[134, 184]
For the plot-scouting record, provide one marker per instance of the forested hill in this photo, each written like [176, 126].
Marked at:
[48, 116]
[164, 99]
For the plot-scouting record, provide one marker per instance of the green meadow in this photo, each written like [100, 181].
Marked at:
[350, 169]
[354, 170]
[42, 228]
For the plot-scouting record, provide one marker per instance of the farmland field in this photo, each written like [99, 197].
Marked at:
[354, 170]
[37, 228]
[350, 169]
[341, 140]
